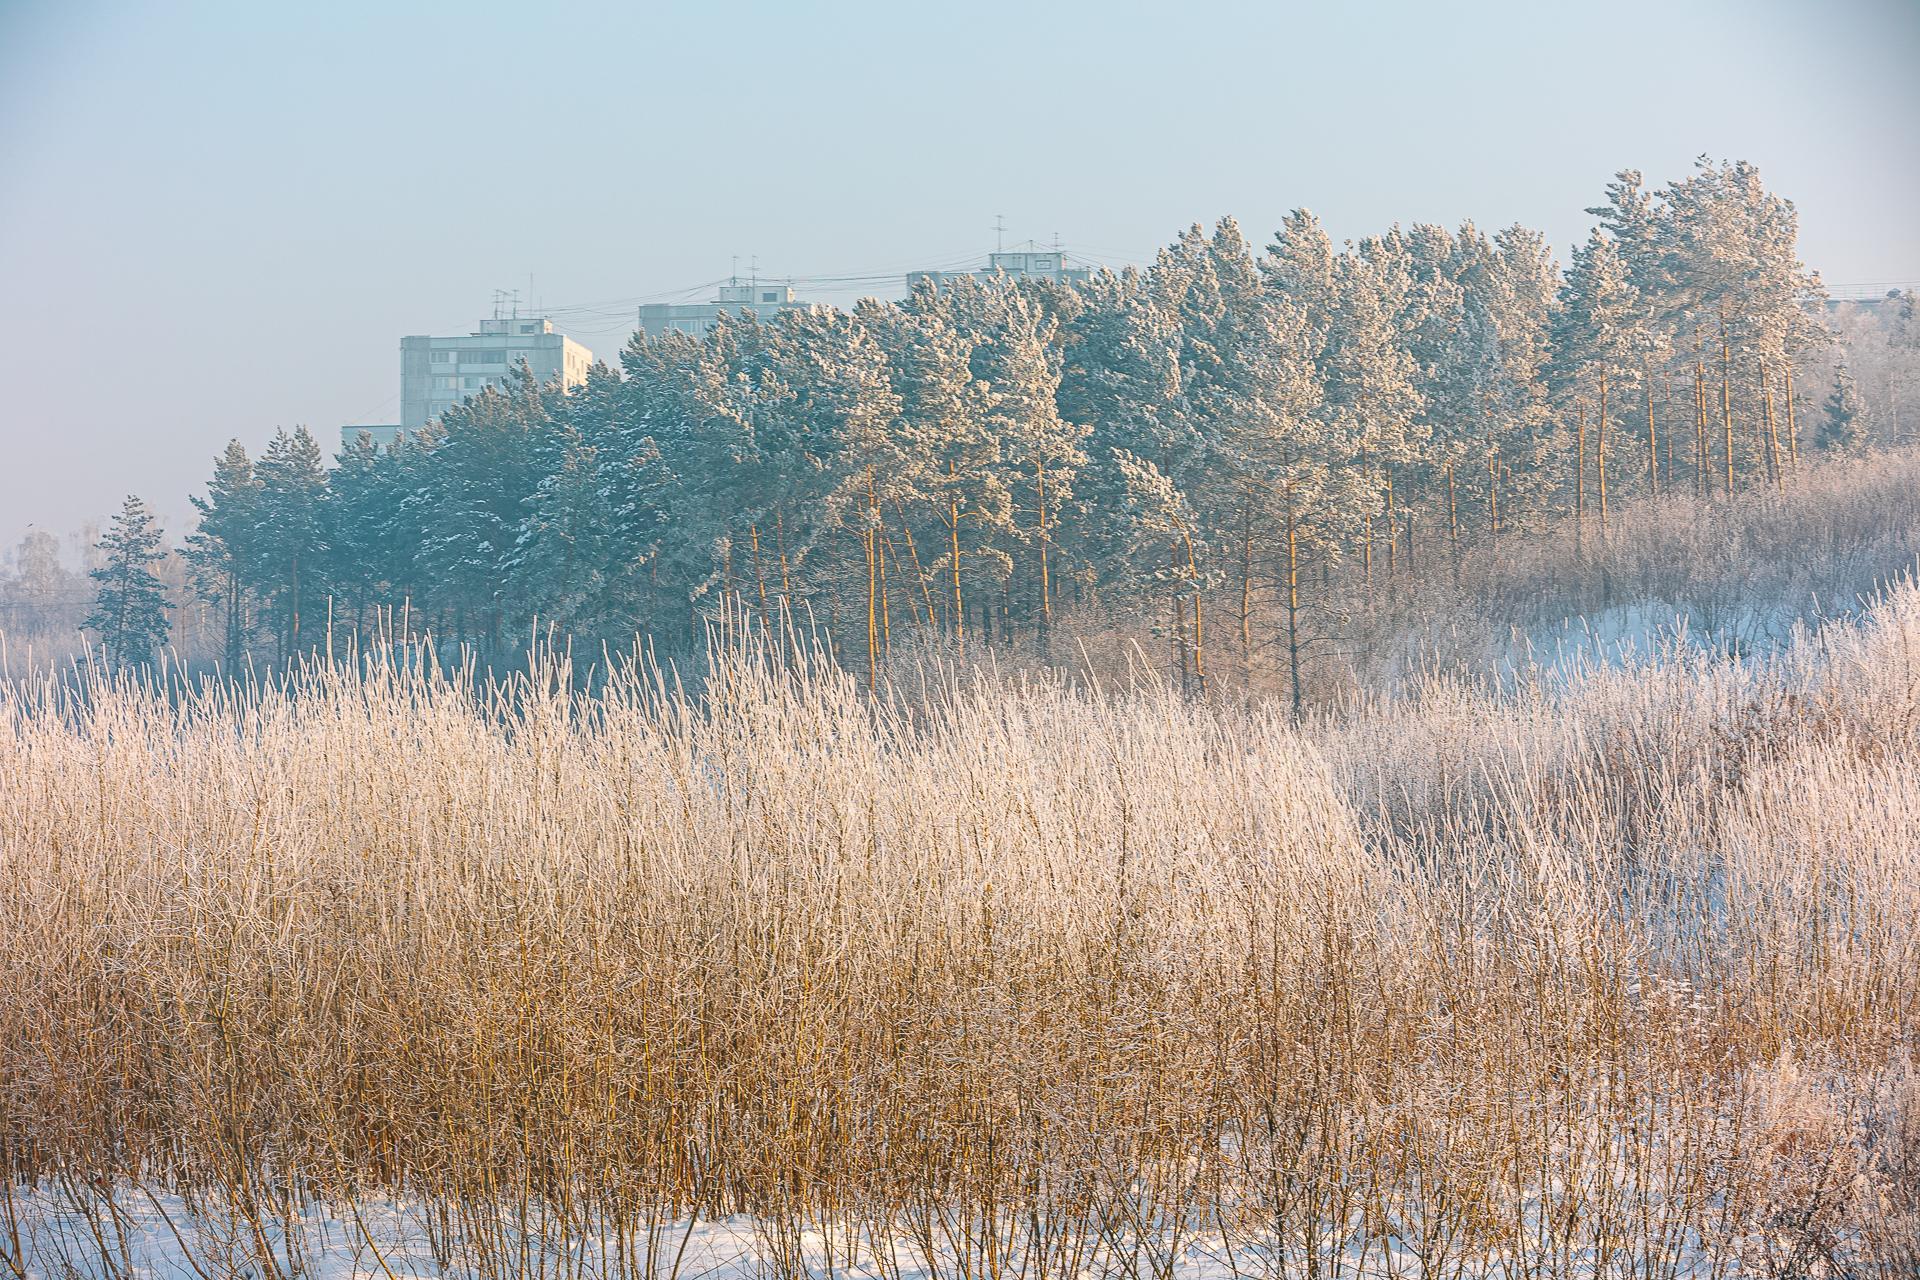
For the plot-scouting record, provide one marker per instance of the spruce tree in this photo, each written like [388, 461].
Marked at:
[1841, 425]
[130, 603]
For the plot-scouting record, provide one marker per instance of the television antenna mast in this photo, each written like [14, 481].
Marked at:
[999, 232]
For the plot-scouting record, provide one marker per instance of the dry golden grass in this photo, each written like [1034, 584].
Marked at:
[1608, 975]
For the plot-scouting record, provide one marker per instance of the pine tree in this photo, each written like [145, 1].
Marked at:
[1364, 421]
[1597, 337]
[945, 416]
[586, 557]
[361, 560]
[1040, 449]
[839, 413]
[1733, 281]
[130, 604]
[222, 553]
[470, 481]
[291, 530]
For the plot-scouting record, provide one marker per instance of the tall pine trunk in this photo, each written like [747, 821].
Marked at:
[873, 595]
[1773, 433]
[1580, 478]
[1793, 432]
[1199, 617]
[1653, 439]
[953, 531]
[1726, 400]
[759, 580]
[1046, 582]
[1293, 602]
[1702, 481]
[920, 574]
[1453, 526]
[1600, 453]
[1390, 526]
[1246, 575]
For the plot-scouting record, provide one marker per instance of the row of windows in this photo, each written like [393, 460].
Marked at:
[478, 355]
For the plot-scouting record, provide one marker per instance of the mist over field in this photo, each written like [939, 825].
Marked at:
[1350, 708]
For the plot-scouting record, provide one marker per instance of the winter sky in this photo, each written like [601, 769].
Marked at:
[219, 218]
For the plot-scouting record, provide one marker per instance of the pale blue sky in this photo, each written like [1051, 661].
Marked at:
[219, 218]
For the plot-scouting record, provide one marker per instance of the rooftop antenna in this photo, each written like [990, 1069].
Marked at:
[999, 232]
[734, 279]
[753, 268]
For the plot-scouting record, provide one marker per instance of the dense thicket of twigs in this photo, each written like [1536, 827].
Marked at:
[1606, 974]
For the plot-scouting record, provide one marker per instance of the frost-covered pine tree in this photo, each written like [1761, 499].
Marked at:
[1734, 281]
[943, 427]
[1370, 405]
[969, 487]
[1039, 447]
[1596, 337]
[1121, 376]
[290, 567]
[130, 602]
[1364, 421]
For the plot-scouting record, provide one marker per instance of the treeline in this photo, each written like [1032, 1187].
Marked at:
[1207, 445]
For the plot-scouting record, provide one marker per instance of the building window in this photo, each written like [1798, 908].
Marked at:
[444, 383]
[526, 328]
[769, 297]
[494, 356]
[440, 357]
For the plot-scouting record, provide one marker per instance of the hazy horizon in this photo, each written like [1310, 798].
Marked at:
[217, 220]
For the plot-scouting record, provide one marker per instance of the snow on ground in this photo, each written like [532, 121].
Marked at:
[137, 1236]
[1633, 633]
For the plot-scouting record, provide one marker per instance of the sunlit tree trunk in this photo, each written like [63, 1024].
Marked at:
[780, 545]
[1293, 599]
[1493, 498]
[1726, 400]
[886, 612]
[1653, 438]
[1390, 522]
[1793, 431]
[1580, 477]
[1453, 526]
[1046, 583]
[1773, 433]
[1702, 484]
[1600, 453]
[873, 584]
[1246, 574]
[919, 573]
[1199, 617]
[759, 579]
[953, 533]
